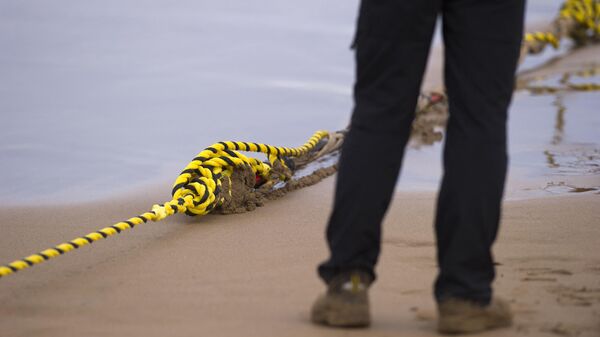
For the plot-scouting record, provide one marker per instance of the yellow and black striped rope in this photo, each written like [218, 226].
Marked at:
[584, 86]
[586, 73]
[568, 86]
[543, 37]
[565, 83]
[585, 12]
[581, 16]
[196, 191]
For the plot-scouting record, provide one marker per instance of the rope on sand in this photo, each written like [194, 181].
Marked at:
[199, 188]
[207, 182]
[577, 19]
[565, 82]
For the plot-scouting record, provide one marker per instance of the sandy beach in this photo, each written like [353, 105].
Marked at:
[254, 274]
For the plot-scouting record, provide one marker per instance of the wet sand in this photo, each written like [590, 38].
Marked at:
[253, 274]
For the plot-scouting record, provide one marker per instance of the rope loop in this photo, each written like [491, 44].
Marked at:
[196, 191]
[201, 180]
[578, 19]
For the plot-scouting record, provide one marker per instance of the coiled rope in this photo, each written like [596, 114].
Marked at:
[578, 19]
[196, 191]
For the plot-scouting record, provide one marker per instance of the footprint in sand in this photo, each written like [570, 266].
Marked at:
[543, 274]
[538, 279]
[424, 314]
[576, 296]
[562, 329]
[594, 269]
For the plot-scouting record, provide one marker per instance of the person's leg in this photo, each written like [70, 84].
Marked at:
[482, 41]
[392, 45]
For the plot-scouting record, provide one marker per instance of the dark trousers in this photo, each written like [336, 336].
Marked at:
[482, 40]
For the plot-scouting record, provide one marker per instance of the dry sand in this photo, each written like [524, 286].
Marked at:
[253, 274]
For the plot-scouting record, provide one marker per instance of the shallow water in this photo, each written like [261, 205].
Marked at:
[550, 136]
[99, 97]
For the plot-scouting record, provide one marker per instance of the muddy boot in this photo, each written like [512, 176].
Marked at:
[346, 303]
[462, 316]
